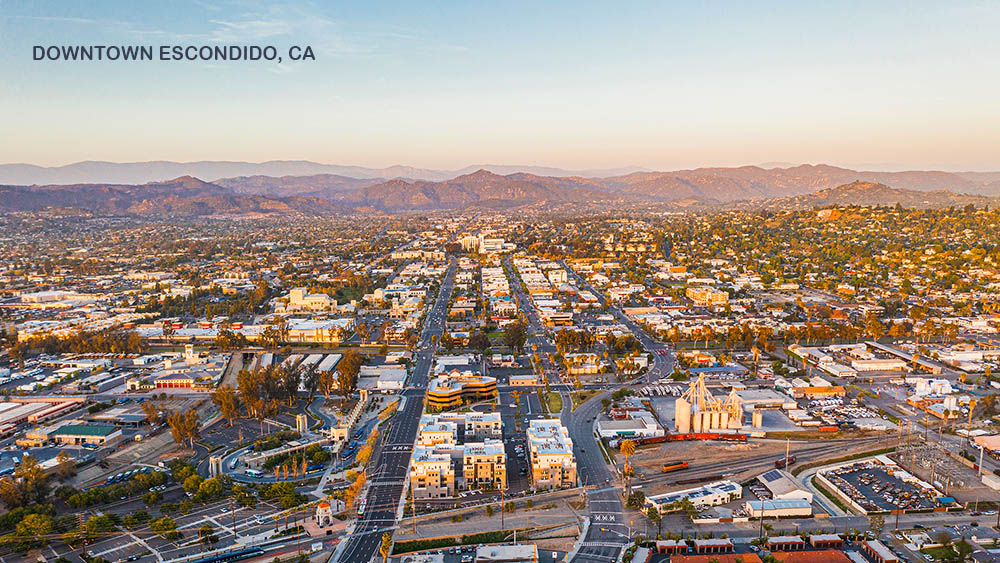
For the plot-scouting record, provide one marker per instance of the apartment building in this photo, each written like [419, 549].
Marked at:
[484, 465]
[443, 428]
[431, 473]
[434, 431]
[550, 448]
[703, 296]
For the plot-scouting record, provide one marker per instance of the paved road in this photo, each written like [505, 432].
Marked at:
[392, 458]
[604, 539]
[663, 355]
[540, 339]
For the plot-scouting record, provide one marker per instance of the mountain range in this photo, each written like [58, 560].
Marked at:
[181, 197]
[100, 172]
[870, 194]
[327, 194]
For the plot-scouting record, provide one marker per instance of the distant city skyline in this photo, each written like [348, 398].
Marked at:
[574, 85]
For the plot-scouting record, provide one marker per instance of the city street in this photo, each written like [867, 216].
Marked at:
[389, 465]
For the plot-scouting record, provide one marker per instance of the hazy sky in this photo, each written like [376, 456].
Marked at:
[573, 84]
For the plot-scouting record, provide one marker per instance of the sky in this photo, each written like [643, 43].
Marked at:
[579, 85]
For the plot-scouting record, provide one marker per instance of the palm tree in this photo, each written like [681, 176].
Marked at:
[627, 448]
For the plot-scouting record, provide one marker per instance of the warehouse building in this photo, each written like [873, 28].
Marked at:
[778, 508]
[79, 434]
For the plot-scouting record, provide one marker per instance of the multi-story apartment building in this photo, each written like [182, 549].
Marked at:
[703, 296]
[482, 458]
[431, 473]
[434, 431]
[550, 448]
[484, 465]
[444, 428]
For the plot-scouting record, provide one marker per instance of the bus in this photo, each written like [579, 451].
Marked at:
[229, 556]
[314, 467]
[254, 473]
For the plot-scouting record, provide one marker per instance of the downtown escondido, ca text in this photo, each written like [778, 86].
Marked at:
[250, 53]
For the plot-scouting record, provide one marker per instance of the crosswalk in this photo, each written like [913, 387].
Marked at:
[610, 544]
[397, 447]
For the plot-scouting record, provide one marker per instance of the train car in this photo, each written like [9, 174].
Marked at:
[674, 466]
[723, 436]
[650, 440]
[784, 462]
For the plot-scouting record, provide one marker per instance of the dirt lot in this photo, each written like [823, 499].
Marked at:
[709, 460]
[701, 455]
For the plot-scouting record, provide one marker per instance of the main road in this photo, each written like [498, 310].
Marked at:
[387, 469]
[539, 338]
[607, 532]
[663, 357]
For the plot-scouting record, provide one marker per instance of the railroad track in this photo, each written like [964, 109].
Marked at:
[805, 453]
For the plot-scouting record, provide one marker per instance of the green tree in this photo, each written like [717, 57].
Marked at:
[152, 497]
[35, 526]
[206, 534]
[166, 527]
[192, 483]
[875, 523]
[515, 336]
[228, 401]
[653, 514]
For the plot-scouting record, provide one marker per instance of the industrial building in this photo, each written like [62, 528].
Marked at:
[712, 494]
[79, 434]
[778, 508]
[781, 486]
[697, 410]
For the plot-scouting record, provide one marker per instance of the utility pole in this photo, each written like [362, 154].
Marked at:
[501, 509]
[413, 509]
[298, 538]
[232, 511]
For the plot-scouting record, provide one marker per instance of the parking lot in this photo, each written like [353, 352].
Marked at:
[877, 487]
[143, 544]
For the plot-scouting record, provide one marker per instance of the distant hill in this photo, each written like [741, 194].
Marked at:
[481, 188]
[325, 194]
[870, 194]
[181, 197]
[754, 182]
[299, 177]
[99, 172]
[319, 185]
